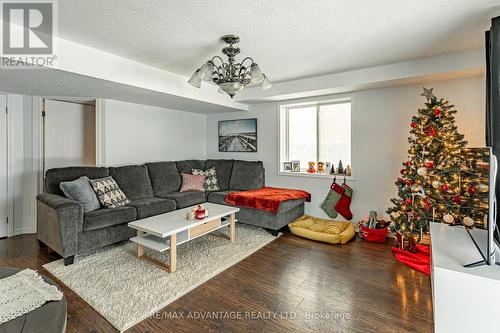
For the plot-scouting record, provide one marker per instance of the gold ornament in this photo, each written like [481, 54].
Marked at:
[468, 221]
[448, 218]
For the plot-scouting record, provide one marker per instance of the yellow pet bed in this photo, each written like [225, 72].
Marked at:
[322, 230]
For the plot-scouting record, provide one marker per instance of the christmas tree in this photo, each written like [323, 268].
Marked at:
[429, 186]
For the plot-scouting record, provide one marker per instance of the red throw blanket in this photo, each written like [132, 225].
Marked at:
[266, 198]
[420, 260]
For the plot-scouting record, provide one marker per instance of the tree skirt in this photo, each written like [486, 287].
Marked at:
[420, 260]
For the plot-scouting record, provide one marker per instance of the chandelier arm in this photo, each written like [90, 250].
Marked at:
[217, 57]
[247, 58]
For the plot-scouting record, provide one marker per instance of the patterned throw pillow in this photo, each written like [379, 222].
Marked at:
[192, 183]
[211, 183]
[108, 192]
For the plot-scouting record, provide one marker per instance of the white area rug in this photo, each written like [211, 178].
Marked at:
[126, 290]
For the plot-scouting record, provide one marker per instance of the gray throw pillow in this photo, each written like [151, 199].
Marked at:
[80, 190]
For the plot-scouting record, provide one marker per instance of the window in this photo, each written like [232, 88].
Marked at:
[315, 131]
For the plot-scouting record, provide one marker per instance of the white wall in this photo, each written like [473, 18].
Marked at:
[381, 127]
[137, 133]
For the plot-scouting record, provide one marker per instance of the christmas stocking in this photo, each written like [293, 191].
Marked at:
[330, 202]
[342, 206]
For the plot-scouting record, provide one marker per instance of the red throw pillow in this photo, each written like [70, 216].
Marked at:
[193, 183]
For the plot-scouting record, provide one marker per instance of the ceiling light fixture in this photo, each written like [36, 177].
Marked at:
[230, 76]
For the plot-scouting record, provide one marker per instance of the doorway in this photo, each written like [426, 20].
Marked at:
[69, 134]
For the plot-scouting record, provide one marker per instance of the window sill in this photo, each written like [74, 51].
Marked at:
[315, 175]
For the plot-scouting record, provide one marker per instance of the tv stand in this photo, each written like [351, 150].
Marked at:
[472, 291]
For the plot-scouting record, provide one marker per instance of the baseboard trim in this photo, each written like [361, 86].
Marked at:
[23, 231]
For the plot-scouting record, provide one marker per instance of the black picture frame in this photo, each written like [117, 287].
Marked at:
[246, 140]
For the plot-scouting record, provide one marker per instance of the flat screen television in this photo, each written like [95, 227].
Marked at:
[478, 180]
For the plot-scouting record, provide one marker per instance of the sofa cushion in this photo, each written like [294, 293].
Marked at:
[187, 166]
[185, 199]
[80, 190]
[133, 181]
[53, 177]
[147, 207]
[218, 197]
[223, 168]
[164, 177]
[109, 193]
[106, 217]
[247, 175]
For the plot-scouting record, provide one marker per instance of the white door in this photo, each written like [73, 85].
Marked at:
[3, 166]
[69, 134]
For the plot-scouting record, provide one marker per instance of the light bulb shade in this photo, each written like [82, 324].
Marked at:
[256, 75]
[195, 79]
[266, 84]
[206, 71]
[231, 88]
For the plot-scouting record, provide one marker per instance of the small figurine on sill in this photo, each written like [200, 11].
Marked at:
[340, 168]
[311, 168]
[321, 167]
[348, 170]
[327, 167]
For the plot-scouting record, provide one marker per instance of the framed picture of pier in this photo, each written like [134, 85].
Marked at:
[238, 135]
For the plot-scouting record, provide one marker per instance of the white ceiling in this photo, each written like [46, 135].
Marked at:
[288, 38]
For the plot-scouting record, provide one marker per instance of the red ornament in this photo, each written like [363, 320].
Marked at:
[400, 180]
[407, 163]
[444, 188]
[472, 189]
[408, 182]
[456, 199]
[431, 131]
[429, 165]
[427, 205]
[403, 171]
[409, 201]
[200, 212]
[437, 111]
[413, 124]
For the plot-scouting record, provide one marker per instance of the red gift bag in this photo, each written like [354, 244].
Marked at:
[373, 235]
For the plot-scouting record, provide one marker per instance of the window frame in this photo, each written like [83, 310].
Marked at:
[283, 132]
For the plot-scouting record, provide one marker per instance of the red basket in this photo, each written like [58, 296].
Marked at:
[373, 235]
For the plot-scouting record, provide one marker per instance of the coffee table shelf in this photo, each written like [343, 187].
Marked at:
[162, 244]
[166, 231]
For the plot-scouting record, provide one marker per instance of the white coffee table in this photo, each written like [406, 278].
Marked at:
[166, 231]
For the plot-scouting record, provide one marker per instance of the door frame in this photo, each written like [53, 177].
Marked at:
[9, 149]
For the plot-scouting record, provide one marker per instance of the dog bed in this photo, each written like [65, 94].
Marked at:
[322, 230]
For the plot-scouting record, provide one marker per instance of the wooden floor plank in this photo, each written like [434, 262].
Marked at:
[303, 283]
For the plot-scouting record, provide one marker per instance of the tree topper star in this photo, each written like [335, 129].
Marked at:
[428, 93]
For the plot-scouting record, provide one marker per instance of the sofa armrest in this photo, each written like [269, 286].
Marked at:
[59, 220]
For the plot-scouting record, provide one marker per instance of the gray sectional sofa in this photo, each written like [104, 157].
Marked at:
[153, 189]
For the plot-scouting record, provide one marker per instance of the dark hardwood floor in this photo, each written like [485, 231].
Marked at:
[290, 285]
